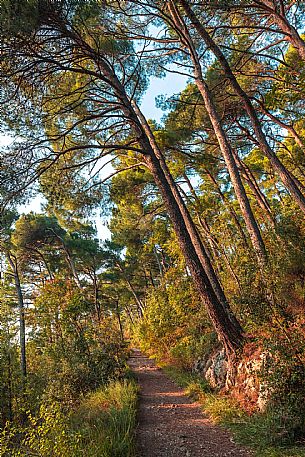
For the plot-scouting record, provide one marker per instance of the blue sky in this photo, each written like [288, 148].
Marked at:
[167, 86]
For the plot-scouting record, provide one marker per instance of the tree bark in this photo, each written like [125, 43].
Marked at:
[204, 258]
[96, 297]
[259, 196]
[23, 365]
[117, 310]
[224, 321]
[131, 288]
[282, 124]
[280, 19]
[229, 206]
[225, 328]
[250, 221]
[71, 264]
[282, 171]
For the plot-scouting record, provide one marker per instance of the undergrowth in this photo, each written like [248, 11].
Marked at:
[102, 426]
[252, 431]
[106, 421]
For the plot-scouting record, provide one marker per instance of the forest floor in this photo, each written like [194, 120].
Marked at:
[170, 424]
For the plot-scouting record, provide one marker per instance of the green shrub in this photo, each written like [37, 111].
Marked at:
[284, 375]
[102, 426]
[46, 435]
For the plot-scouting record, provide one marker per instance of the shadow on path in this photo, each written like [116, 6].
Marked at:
[170, 424]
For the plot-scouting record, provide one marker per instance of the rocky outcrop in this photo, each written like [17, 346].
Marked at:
[214, 369]
[247, 387]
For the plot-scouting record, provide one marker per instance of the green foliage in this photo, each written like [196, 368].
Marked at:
[106, 421]
[19, 17]
[103, 425]
[283, 377]
[70, 354]
[10, 380]
[46, 435]
[173, 323]
[68, 72]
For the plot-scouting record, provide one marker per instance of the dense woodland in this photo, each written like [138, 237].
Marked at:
[206, 207]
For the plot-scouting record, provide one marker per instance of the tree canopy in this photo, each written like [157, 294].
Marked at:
[205, 206]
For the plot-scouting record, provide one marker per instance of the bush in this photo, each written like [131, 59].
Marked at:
[46, 435]
[102, 426]
[284, 376]
[174, 322]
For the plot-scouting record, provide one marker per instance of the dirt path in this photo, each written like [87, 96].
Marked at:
[170, 424]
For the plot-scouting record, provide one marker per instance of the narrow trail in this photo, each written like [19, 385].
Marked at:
[170, 424]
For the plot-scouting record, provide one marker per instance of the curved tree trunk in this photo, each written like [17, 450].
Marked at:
[227, 331]
[196, 240]
[224, 321]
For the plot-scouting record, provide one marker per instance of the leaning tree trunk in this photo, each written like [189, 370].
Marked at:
[228, 332]
[189, 223]
[277, 165]
[230, 208]
[71, 264]
[213, 242]
[250, 221]
[280, 19]
[226, 325]
[252, 183]
[290, 128]
[224, 321]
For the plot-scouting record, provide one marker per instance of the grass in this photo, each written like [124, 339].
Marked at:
[105, 421]
[254, 431]
[102, 426]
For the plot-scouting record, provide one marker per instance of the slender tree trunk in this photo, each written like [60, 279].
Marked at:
[250, 221]
[230, 208]
[152, 280]
[119, 319]
[278, 16]
[10, 384]
[282, 171]
[206, 241]
[155, 252]
[216, 246]
[96, 298]
[150, 144]
[211, 293]
[129, 314]
[213, 242]
[282, 124]
[71, 264]
[23, 366]
[132, 289]
[69, 260]
[259, 196]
